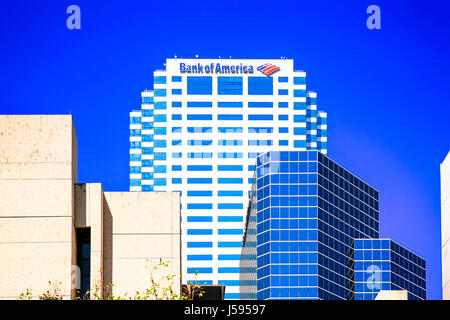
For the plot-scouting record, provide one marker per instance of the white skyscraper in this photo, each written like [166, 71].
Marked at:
[199, 131]
[445, 226]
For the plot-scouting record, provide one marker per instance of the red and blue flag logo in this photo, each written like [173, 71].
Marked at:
[268, 69]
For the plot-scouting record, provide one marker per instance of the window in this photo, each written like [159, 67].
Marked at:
[260, 86]
[229, 85]
[199, 129]
[232, 155]
[160, 105]
[199, 142]
[230, 168]
[299, 106]
[147, 100]
[83, 236]
[199, 104]
[160, 80]
[229, 142]
[199, 85]
[260, 130]
[260, 105]
[282, 79]
[199, 117]
[299, 80]
[229, 104]
[199, 168]
[160, 92]
[260, 117]
[230, 129]
[176, 91]
[299, 93]
[229, 117]
[176, 79]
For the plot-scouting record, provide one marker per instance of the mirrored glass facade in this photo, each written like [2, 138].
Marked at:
[305, 213]
[382, 264]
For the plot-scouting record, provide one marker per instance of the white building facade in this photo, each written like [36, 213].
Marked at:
[445, 226]
[199, 131]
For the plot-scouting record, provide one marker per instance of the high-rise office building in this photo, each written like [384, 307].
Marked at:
[445, 226]
[199, 131]
[304, 220]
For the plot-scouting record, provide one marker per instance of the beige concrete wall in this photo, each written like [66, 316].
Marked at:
[392, 295]
[445, 226]
[139, 229]
[89, 214]
[37, 174]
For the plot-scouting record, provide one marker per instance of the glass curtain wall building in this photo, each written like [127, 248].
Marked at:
[199, 131]
[305, 213]
[382, 264]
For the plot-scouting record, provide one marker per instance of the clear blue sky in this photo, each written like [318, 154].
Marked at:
[387, 92]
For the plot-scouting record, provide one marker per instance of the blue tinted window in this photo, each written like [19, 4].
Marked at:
[299, 93]
[230, 129]
[229, 117]
[160, 80]
[260, 86]
[229, 85]
[299, 80]
[282, 79]
[199, 117]
[199, 168]
[199, 85]
[176, 79]
[299, 106]
[260, 129]
[160, 92]
[260, 117]
[195, 193]
[160, 105]
[260, 104]
[229, 104]
[199, 104]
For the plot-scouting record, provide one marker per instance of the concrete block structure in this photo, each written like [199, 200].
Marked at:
[54, 229]
[392, 295]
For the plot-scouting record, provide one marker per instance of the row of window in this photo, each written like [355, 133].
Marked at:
[230, 86]
[225, 117]
[219, 219]
[297, 131]
[163, 131]
[162, 105]
[208, 232]
[210, 244]
[178, 79]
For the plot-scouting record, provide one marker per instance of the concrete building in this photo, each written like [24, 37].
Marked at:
[445, 226]
[198, 132]
[392, 295]
[50, 224]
